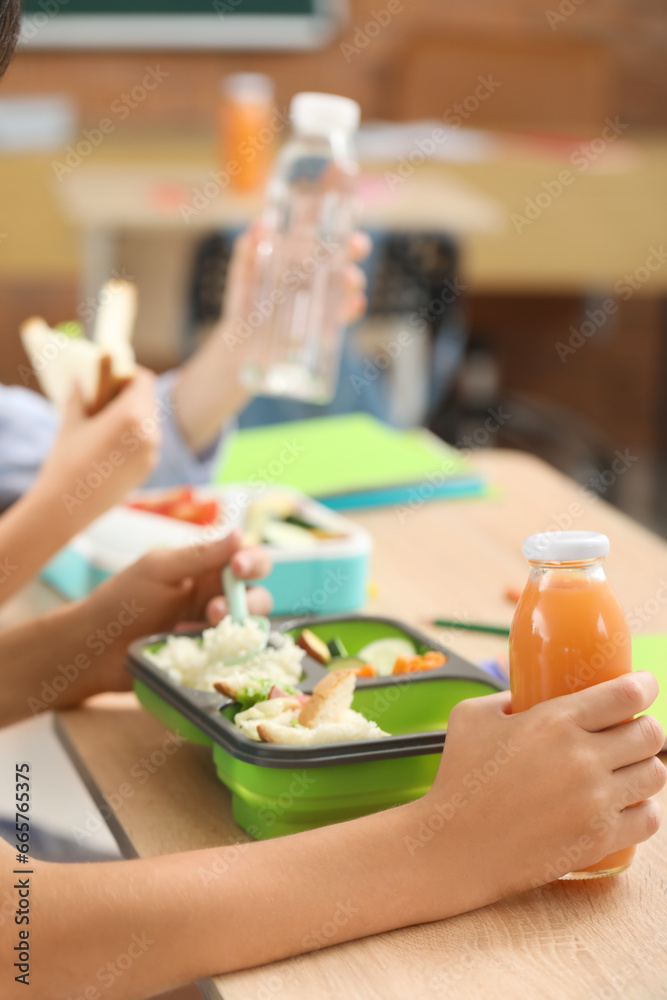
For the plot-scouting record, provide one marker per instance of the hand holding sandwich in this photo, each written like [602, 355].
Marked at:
[94, 462]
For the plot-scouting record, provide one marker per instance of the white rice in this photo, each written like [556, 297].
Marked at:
[199, 665]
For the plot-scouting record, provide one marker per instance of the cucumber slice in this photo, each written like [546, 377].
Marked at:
[348, 663]
[337, 647]
[383, 653]
[300, 522]
[288, 536]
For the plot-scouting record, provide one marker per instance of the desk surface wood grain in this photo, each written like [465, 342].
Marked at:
[599, 939]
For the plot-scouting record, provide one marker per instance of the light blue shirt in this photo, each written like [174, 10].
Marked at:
[29, 423]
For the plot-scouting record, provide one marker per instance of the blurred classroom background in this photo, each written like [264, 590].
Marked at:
[513, 159]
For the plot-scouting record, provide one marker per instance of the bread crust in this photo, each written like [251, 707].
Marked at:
[337, 685]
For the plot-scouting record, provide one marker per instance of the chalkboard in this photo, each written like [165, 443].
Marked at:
[72, 7]
[181, 24]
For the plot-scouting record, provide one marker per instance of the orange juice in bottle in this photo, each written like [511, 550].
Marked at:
[248, 125]
[569, 632]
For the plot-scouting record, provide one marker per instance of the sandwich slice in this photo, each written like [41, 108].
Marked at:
[101, 366]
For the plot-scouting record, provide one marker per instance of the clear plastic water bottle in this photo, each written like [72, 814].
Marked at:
[295, 320]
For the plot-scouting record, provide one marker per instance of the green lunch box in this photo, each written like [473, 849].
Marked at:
[284, 789]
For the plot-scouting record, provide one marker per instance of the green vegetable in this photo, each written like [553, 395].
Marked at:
[337, 647]
[259, 691]
[347, 663]
[70, 327]
[288, 536]
[300, 522]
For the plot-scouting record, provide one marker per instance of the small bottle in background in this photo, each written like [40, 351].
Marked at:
[569, 632]
[247, 129]
[295, 320]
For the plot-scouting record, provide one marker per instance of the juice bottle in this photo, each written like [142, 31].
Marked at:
[247, 129]
[569, 632]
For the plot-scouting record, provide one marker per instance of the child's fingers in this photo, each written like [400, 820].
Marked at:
[611, 702]
[635, 740]
[638, 781]
[173, 565]
[260, 602]
[252, 563]
[638, 823]
[75, 408]
[354, 279]
[473, 712]
[360, 245]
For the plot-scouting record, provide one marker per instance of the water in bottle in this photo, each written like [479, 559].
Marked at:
[295, 316]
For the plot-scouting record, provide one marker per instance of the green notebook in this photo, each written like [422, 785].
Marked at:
[649, 652]
[350, 460]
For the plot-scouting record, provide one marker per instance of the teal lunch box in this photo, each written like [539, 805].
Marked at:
[329, 578]
[284, 789]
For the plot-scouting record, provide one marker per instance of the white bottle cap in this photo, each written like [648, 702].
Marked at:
[565, 546]
[321, 114]
[250, 88]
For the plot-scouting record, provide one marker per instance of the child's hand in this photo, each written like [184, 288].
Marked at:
[522, 799]
[164, 589]
[95, 461]
[236, 304]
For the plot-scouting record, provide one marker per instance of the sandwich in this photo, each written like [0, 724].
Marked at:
[101, 366]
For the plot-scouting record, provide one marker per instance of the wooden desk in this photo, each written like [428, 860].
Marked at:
[581, 941]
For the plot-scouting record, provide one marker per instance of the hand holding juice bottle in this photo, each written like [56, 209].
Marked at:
[569, 632]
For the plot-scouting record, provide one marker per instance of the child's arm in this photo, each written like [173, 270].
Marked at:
[561, 778]
[61, 658]
[95, 461]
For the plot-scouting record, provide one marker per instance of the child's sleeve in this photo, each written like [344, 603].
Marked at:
[178, 463]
